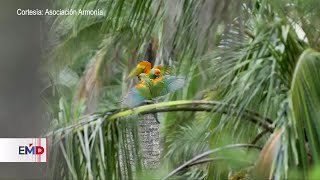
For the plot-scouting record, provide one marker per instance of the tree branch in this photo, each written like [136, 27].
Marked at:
[170, 106]
[207, 160]
[253, 117]
[260, 135]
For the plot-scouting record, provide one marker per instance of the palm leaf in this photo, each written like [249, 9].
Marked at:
[305, 103]
[91, 82]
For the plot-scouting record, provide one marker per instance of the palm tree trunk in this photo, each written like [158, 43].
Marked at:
[149, 141]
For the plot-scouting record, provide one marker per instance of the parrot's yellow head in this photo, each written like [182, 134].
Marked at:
[142, 67]
[145, 65]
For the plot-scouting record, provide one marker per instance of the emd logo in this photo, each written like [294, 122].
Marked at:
[24, 150]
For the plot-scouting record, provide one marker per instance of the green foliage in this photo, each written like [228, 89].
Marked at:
[247, 73]
[305, 103]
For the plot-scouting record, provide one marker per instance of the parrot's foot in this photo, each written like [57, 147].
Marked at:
[160, 98]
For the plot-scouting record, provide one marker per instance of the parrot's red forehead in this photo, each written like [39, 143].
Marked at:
[157, 71]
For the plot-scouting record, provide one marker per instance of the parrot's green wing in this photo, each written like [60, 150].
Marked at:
[171, 84]
[167, 84]
[152, 88]
[136, 96]
[133, 98]
[157, 86]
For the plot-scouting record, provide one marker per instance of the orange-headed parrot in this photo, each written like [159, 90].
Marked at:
[163, 69]
[142, 67]
[154, 73]
[145, 67]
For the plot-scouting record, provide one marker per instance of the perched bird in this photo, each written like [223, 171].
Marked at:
[145, 67]
[154, 73]
[142, 67]
[153, 83]
[150, 88]
[164, 70]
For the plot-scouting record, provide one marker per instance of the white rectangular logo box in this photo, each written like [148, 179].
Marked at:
[23, 150]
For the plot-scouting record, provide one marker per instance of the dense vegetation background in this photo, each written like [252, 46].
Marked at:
[250, 107]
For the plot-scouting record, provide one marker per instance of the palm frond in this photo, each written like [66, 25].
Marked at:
[305, 103]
